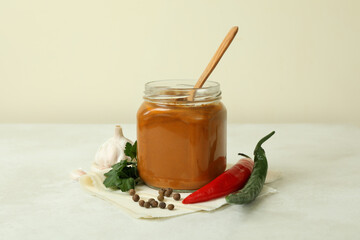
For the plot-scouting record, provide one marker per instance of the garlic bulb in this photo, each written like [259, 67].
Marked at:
[112, 151]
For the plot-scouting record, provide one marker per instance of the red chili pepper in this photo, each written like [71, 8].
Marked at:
[229, 181]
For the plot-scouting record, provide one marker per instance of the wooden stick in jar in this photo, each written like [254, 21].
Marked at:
[214, 60]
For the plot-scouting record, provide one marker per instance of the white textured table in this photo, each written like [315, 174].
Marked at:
[319, 193]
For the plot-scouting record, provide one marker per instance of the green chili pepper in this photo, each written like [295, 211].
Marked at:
[257, 178]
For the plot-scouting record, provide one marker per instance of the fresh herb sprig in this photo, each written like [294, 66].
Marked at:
[124, 174]
[131, 150]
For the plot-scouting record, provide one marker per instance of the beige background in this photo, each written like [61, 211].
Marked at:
[87, 61]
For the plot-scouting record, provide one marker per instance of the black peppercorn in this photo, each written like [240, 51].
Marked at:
[154, 203]
[160, 197]
[170, 190]
[167, 193]
[132, 192]
[147, 204]
[136, 198]
[162, 191]
[162, 205]
[176, 196]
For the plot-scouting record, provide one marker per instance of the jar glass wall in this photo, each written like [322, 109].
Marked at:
[181, 139]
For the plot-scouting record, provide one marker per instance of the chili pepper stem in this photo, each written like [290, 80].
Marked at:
[244, 155]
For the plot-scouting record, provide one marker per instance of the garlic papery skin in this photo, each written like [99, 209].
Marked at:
[112, 151]
[77, 173]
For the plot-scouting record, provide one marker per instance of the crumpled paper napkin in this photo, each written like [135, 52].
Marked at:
[93, 183]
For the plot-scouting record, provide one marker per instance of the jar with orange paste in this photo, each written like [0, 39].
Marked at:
[181, 140]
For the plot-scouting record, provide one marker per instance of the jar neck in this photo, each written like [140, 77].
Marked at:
[181, 102]
[181, 92]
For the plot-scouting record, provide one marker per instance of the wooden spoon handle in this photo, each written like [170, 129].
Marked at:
[216, 58]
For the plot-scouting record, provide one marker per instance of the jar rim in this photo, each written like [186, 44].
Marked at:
[189, 82]
[180, 90]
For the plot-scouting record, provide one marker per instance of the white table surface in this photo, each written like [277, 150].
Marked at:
[318, 198]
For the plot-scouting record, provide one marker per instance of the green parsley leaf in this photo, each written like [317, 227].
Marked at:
[123, 176]
[131, 150]
[125, 184]
[111, 180]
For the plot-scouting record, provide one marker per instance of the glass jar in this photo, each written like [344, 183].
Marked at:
[181, 134]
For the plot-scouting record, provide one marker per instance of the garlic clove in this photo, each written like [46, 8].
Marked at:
[107, 153]
[120, 137]
[112, 151]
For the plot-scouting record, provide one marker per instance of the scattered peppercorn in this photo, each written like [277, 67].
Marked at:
[160, 197]
[176, 196]
[136, 198]
[167, 193]
[132, 192]
[170, 190]
[154, 203]
[162, 205]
